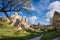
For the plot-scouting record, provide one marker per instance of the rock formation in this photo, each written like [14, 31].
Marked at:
[19, 21]
[56, 20]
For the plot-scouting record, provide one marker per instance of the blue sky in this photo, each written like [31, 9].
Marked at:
[40, 10]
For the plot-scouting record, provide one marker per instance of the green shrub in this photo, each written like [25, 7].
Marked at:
[50, 35]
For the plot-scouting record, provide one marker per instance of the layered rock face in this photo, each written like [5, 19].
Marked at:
[19, 21]
[56, 20]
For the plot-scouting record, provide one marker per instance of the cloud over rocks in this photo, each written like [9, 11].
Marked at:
[32, 19]
[54, 6]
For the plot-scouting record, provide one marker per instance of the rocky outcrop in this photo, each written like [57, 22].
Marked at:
[56, 20]
[19, 21]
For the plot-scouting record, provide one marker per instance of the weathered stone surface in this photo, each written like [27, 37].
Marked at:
[19, 21]
[56, 20]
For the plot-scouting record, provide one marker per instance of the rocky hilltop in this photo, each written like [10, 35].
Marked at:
[16, 20]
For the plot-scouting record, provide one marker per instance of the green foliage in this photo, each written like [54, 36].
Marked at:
[50, 35]
[48, 29]
[7, 33]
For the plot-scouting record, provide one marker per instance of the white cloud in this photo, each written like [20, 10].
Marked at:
[39, 6]
[54, 6]
[32, 19]
[20, 12]
[49, 16]
[32, 7]
[47, 20]
[24, 16]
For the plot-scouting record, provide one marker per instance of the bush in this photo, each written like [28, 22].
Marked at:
[50, 35]
[48, 29]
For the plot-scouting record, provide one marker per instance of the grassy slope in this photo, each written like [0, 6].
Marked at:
[8, 33]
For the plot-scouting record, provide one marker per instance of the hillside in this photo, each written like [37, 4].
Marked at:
[16, 20]
[8, 32]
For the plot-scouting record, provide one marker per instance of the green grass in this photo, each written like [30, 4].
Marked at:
[50, 35]
[7, 33]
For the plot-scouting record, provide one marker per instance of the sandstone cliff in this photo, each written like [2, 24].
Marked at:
[19, 21]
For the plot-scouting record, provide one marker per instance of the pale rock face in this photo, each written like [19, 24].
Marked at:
[19, 21]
